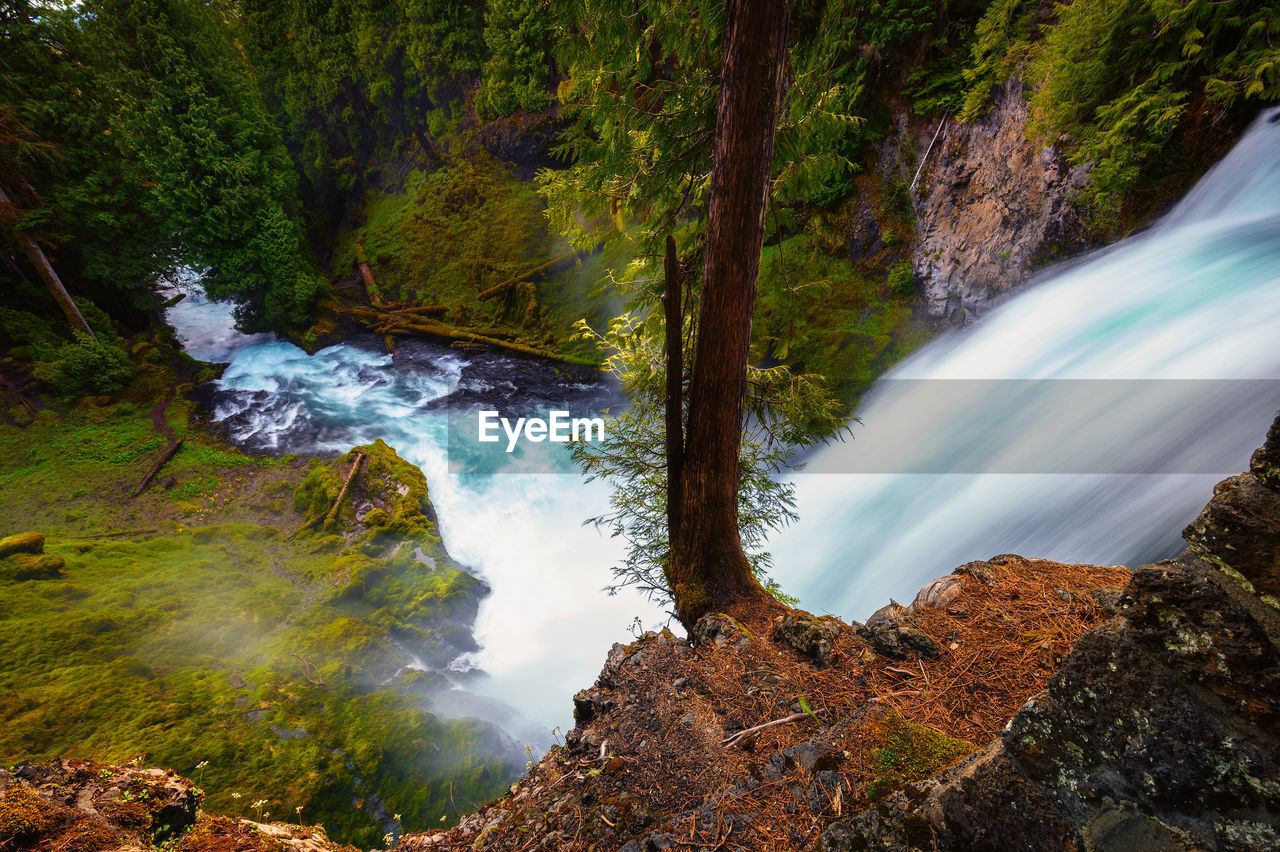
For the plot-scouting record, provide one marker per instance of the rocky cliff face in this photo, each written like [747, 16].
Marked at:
[990, 206]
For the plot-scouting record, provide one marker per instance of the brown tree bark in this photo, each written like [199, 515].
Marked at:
[708, 567]
[675, 381]
[51, 279]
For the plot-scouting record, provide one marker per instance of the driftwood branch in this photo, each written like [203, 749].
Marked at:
[355, 466]
[173, 447]
[333, 510]
[498, 288]
[111, 534]
[307, 669]
[741, 735]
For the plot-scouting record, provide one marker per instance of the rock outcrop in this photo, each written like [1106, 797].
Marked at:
[991, 206]
[83, 806]
[1161, 731]
[766, 729]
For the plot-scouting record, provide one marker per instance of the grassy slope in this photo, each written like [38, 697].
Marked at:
[174, 644]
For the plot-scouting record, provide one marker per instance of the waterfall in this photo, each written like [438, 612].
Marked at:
[1162, 351]
[1171, 314]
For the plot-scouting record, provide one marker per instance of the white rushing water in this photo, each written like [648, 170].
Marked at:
[546, 623]
[1197, 297]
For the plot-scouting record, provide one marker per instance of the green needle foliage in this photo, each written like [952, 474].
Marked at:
[164, 155]
[784, 413]
[1118, 77]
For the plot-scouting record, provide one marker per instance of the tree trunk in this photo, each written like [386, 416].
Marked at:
[708, 566]
[51, 279]
[675, 380]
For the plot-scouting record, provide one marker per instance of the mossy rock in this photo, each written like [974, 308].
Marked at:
[26, 566]
[908, 753]
[23, 816]
[387, 501]
[27, 542]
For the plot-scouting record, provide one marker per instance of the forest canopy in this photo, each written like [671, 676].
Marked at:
[236, 137]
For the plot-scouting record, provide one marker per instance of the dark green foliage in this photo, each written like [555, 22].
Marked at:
[75, 367]
[902, 279]
[347, 83]
[1119, 78]
[164, 156]
[86, 366]
[518, 36]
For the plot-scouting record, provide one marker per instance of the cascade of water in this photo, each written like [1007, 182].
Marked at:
[1197, 297]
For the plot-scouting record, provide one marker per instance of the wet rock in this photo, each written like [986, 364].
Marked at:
[1239, 530]
[813, 636]
[865, 236]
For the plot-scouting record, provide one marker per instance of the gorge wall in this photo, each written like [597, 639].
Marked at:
[991, 205]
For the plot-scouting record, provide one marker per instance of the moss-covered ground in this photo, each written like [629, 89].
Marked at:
[193, 628]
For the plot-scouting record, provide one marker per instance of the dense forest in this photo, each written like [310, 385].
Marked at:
[270, 146]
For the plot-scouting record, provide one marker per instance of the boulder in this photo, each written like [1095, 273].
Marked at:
[813, 636]
[27, 542]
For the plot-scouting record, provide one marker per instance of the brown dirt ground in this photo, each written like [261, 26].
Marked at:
[649, 754]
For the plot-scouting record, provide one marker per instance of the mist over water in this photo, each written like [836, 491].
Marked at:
[1197, 297]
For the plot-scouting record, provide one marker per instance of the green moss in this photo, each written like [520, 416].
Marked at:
[28, 566]
[908, 753]
[174, 637]
[28, 542]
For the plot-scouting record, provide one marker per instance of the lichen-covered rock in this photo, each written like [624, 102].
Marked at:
[891, 633]
[720, 630]
[1265, 464]
[813, 636]
[1161, 731]
[1239, 530]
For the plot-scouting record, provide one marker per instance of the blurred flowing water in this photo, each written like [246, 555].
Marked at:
[1161, 330]
[1197, 297]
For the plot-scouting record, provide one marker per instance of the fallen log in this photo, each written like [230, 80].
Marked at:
[490, 292]
[366, 274]
[355, 466]
[448, 332]
[173, 447]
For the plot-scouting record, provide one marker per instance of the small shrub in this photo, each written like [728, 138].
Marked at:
[902, 279]
[86, 366]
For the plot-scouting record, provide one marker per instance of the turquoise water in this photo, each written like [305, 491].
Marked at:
[1196, 297]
